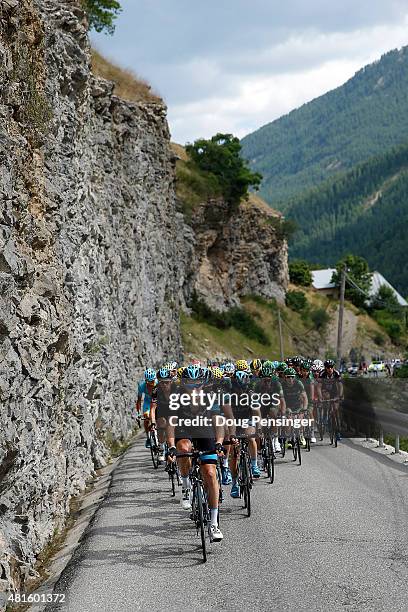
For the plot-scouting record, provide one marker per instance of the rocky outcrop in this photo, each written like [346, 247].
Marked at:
[95, 263]
[87, 279]
[234, 253]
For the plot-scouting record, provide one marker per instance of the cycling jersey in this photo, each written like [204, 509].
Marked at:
[292, 394]
[241, 401]
[309, 385]
[330, 383]
[271, 386]
[144, 390]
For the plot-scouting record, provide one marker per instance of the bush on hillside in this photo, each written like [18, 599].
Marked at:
[394, 327]
[320, 318]
[297, 301]
[299, 273]
[238, 318]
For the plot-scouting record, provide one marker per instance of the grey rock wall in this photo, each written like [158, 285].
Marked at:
[88, 282]
[95, 264]
[229, 255]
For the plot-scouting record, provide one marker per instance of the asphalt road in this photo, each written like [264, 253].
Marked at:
[329, 535]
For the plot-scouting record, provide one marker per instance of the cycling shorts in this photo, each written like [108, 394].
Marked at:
[204, 445]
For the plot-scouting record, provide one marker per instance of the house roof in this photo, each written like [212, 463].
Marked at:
[321, 279]
[377, 281]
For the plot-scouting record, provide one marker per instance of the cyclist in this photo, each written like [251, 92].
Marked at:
[159, 408]
[256, 365]
[331, 387]
[269, 384]
[221, 387]
[145, 390]
[240, 411]
[295, 398]
[309, 383]
[207, 439]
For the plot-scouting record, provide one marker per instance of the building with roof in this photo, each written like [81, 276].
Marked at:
[322, 282]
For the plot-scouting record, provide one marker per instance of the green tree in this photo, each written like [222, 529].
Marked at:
[221, 157]
[359, 274]
[386, 298]
[102, 14]
[299, 273]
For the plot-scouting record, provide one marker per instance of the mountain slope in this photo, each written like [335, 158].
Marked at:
[334, 132]
[364, 212]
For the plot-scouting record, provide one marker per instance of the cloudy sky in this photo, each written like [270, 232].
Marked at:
[234, 65]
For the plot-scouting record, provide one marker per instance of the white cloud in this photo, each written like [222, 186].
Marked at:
[234, 70]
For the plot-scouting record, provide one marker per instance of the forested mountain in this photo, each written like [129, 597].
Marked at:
[364, 212]
[364, 117]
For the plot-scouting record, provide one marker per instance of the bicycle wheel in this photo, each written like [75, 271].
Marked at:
[154, 450]
[246, 486]
[173, 483]
[282, 442]
[271, 468]
[200, 520]
[331, 429]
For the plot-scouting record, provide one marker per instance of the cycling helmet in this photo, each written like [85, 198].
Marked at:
[281, 367]
[319, 362]
[180, 372]
[329, 363]
[256, 364]
[317, 368]
[267, 368]
[163, 374]
[306, 365]
[297, 361]
[242, 377]
[290, 372]
[229, 368]
[242, 365]
[218, 373]
[193, 372]
[150, 375]
[275, 364]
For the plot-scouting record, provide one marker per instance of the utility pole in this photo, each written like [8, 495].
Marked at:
[280, 335]
[341, 313]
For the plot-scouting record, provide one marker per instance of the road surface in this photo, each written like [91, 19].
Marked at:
[329, 535]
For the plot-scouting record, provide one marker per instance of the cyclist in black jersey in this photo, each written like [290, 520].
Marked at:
[240, 411]
[159, 409]
[331, 386]
[190, 421]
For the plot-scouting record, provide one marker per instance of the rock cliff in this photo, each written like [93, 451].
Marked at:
[87, 279]
[235, 254]
[95, 264]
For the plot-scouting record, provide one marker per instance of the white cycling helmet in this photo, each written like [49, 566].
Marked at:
[229, 368]
[319, 364]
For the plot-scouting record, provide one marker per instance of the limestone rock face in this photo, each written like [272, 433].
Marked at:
[235, 254]
[88, 283]
[95, 264]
